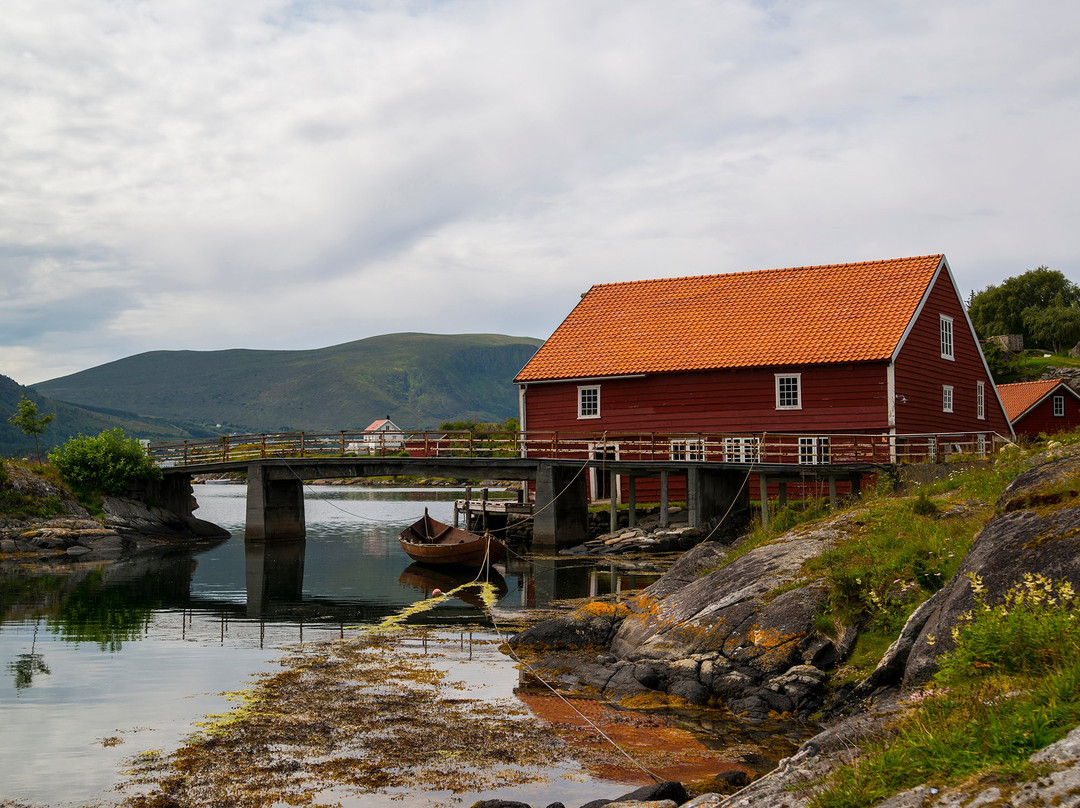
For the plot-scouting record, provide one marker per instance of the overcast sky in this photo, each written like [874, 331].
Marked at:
[210, 174]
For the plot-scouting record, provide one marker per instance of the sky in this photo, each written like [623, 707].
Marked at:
[204, 175]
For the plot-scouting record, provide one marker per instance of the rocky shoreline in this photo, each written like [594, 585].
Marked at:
[126, 526]
[741, 634]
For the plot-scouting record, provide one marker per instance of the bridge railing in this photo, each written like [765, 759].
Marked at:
[766, 448]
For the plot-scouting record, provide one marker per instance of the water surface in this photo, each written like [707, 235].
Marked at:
[100, 664]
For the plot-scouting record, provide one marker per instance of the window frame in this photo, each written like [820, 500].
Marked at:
[1058, 403]
[688, 450]
[947, 335]
[779, 379]
[815, 450]
[948, 398]
[742, 450]
[582, 392]
[980, 400]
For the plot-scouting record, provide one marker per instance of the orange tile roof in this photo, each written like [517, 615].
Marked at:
[1019, 397]
[803, 315]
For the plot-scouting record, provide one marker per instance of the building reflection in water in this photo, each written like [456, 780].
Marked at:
[545, 581]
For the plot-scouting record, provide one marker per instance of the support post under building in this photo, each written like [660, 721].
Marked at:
[715, 493]
[275, 508]
[561, 513]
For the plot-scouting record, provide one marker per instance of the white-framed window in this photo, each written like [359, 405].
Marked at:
[815, 451]
[946, 398]
[980, 444]
[588, 401]
[690, 449]
[788, 391]
[931, 449]
[1059, 406]
[741, 450]
[980, 401]
[946, 337]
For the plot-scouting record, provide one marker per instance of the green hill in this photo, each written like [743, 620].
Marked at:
[418, 380]
[73, 420]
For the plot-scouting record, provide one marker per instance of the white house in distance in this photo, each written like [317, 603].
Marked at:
[380, 436]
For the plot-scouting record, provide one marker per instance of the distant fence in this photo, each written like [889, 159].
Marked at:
[743, 448]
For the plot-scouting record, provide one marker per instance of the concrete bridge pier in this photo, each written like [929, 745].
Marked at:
[712, 493]
[275, 507]
[561, 513]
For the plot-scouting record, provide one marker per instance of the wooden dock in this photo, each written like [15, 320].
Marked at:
[478, 512]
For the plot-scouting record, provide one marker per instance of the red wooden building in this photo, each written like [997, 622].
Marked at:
[1041, 407]
[824, 361]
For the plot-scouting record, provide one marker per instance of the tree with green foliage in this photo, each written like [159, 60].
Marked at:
[1056, 327]
[1041, 304]
[29, 420]
[106, 464]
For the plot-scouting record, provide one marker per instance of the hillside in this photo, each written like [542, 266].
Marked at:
[418, 380]
[73, 420]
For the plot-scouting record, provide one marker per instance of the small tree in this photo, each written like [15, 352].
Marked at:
[107, 464]
[30, 421]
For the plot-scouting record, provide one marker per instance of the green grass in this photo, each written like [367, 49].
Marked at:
[18, 504]
[1032, 364]
[1028, 366]
[868, 651]
[1010, 688]
[14, 503]
[892, 562]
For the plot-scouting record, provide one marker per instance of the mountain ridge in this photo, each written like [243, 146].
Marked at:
[418, 380]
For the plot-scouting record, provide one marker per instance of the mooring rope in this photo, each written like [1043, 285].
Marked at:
[592, 725]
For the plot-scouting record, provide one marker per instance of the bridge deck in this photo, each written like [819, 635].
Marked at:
[741, 450]
[715, 468]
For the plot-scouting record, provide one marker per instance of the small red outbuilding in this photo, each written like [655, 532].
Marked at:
[1042, 407]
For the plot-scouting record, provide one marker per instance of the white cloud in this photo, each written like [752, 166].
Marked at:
[263, 173]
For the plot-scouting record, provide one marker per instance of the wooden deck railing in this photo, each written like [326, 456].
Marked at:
[744, 448]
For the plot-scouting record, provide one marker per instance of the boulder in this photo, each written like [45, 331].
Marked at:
[591, 626]
[1036, 531]
[708, 631]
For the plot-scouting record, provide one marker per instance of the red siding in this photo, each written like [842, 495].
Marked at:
[845, 398]
[921, 372]
[1041, 420]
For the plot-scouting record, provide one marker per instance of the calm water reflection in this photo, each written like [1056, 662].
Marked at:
[101, 664]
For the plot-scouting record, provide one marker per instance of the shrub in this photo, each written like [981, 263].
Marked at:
[1034, 630]
[106, 464]
[923, 505]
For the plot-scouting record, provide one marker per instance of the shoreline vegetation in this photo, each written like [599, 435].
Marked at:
[902, 549]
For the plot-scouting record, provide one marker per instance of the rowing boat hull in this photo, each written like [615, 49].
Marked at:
[431, 542]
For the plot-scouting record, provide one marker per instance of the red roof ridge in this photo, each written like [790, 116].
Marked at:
[744, 272]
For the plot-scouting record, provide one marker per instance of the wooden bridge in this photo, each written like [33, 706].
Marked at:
[565, 469]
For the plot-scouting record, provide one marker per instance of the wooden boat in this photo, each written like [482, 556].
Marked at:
[429, 541]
